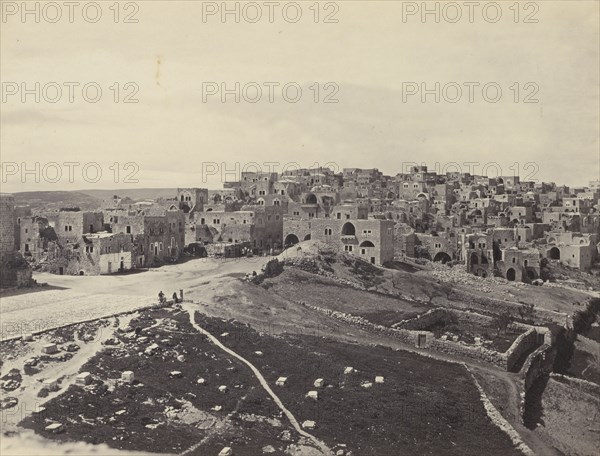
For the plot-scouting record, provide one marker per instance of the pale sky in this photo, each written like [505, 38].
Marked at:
[370, 55]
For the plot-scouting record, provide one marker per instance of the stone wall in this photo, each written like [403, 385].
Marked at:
[14, 272]
[296, 227]
[485, 304]
[538, 364]
[524, 342]
[426, 320]
[582, 385]
[7, 222]
[411, 337]
[475, 352]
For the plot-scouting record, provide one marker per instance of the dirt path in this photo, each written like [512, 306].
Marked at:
[74, 299]
[286, 315]
[321, 445]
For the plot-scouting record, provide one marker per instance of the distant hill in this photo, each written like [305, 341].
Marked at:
[133, 193]
[56, 200]
[87, 199]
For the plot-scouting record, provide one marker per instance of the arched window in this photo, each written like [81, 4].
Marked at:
[348, 229]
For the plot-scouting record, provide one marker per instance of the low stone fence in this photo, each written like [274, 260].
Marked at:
[475, 352]
[484, 304]
[426, 339]
[522, 344]
[538, 364]
[427, 319]
[497, 418]
[584, 386]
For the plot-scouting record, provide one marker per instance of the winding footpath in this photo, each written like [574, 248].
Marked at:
[189, 308]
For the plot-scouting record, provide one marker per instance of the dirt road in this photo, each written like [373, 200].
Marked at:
[71, 299]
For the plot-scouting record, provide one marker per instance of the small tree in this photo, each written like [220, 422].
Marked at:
[527, 312]
[501, 321]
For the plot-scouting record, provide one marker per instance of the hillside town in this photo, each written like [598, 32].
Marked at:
[501, 226]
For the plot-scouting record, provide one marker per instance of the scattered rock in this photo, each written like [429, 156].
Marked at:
[313, 395]
[50, 349]
[309, 424]
[127, 377]
[85, 378]
[54, 428]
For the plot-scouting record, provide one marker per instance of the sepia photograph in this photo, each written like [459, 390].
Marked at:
[300, 228]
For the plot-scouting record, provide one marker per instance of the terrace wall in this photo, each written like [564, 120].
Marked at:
[578, 383]
[411, 337]
[426, 320]
[485, 304]
[523, 343]
[538, 364]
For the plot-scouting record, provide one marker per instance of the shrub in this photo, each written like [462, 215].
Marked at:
[273, 268]
[583, 319]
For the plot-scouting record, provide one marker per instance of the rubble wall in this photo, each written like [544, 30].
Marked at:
[538, 364]
[524, 342]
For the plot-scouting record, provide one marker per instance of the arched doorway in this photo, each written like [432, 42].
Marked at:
[442, 257]
[554, 253]
[511, 275]
[291, 239]
[474, 258]
[307, 237]
[311, 198]
[348, 229]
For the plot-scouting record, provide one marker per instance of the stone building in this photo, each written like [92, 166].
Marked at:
[71, 224]
[370, 239]
[442, 248]
[255, 184]
[21, 212]
[192, 199]
[258, 225]
[157, 233]
[35, 236]
[14, 270]
[522, 265]
[577, 250]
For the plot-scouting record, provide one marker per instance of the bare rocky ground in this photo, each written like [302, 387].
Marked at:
[570, 419]
[223, 299]
[422, 404]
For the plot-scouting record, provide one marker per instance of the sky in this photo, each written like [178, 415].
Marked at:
[382, 86]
